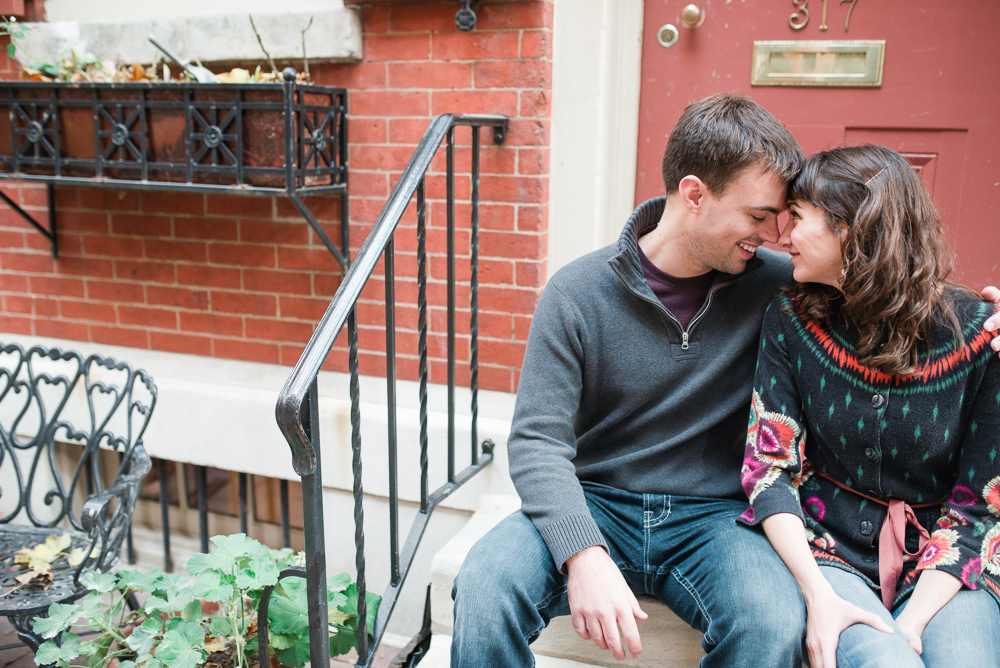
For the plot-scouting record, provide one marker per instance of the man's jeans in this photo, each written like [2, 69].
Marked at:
[720, 577]
[965, 632]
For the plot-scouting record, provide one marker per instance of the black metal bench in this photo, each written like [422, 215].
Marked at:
[47, 489]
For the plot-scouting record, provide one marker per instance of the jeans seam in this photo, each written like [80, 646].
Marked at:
[684, 582]
[544, 602]
[664, 511]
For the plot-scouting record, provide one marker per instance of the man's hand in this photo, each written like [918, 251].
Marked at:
[600, 601]
[992, 294]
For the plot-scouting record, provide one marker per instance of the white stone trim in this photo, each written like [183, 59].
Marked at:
[597, 54]
[335, 35]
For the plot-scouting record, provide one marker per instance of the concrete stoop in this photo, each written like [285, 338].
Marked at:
[666, 640]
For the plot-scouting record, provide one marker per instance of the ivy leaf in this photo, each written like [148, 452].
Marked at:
[209, 586]
[61, 617]
[144, 636]
[102, 583]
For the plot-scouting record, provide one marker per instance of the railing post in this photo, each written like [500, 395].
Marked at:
[451, 302]
[312, 514]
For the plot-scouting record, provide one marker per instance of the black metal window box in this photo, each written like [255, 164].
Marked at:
[281, 139]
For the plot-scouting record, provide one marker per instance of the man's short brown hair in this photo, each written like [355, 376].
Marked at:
[718, 137]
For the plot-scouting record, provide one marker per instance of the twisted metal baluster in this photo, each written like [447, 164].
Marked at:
[422, 329]
[474, 296]
[359, 512]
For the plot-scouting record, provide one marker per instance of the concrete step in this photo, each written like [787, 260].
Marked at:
[438, 656]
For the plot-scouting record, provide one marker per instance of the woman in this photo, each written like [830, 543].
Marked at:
[871, 457]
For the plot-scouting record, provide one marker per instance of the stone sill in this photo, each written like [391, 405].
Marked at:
[221, 39]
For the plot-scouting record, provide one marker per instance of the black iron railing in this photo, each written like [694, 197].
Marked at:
[297, 411]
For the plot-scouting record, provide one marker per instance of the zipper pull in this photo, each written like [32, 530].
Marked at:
[684, 341]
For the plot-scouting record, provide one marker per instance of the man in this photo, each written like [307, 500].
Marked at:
[631, 415]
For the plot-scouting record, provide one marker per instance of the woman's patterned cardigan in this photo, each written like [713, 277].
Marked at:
[932, 436]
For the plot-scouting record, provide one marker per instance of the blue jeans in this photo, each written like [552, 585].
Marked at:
[965, 632]
[720, 577]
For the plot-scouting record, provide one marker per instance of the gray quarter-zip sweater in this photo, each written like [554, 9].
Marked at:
[614, 391]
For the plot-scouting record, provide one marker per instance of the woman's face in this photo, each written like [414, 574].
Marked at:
[815, 248]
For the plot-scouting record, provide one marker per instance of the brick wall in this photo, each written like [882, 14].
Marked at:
[243, 277]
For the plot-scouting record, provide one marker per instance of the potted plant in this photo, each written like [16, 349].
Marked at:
[207, 618]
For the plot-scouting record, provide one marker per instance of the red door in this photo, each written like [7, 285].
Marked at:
[939, 103]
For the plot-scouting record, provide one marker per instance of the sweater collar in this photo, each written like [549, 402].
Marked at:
[625, 262]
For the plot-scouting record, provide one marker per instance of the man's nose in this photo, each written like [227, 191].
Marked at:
[770, 232]
[785, 239]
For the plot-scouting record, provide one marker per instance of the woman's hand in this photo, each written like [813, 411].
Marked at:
[912, 631]
[828, 616]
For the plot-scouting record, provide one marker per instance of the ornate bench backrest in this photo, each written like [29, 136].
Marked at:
[50, 395]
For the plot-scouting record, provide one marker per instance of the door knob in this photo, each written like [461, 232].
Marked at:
[692, 16]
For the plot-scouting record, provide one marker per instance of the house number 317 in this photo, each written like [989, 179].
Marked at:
[800, 17]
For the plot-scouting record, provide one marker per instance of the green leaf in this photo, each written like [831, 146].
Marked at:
[290, 614]
[143, 581]
[126, 664]
[199, 563]
[144, 636]
[209, 586]
[48, 653]
[11, 49]
[192, 611]
[338, 582]
[296, 655]
[282, 640]
[372, 602]
[99, 582]
[177, 650]
[342, 642]
[261, 574]
[61, 617]
[219, 626]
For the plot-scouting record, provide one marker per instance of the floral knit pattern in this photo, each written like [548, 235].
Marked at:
[930, 439]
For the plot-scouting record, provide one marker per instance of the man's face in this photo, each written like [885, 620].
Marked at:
[734, 225]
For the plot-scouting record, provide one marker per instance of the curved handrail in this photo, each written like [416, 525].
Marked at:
[289, 407]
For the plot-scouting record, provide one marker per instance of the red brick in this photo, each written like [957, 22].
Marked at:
[430, 75]
[12, 239]
[366, 131]
[140, 225]
[85, 266]
[119, 336]
[57, 286]
[307, 259]
[242, 254]
[528, 190]
[185, 251]
[510, 244]
[496, 378]
[247, 351]
[368, 184]
[389, 103]
[535, 103]
[215, 228]
[413, 18]
[508, 300]
[501, 15]
[33, 196]
[36, 263]
[225, 325]
[99, 198]
[303, 309]
[209, 277]
[514, 74]
[16, 325]
[397, 47]
[76, 310]
[287, 282]
[156, 201]
[180, 297]
[324, 209]
[18, 304]
[147, 317]
[112, 246]
[270, 232]
[496, 271]
[496, 325]
[83, 221]
[474, 45]
[13, 283]
[533, 161]
[181, 343]
[374, 19]
[60, 329]
[67, 198]
[242, 302]
[536, 44]
[474, 102]
[279, 330]
[156, 272]
[522, 325]
[436, 186]
[507, 353]
[115, 291]
[239, 205]
[527, 133]
[531, 274]
[408, 131]
[325, 285]
[438, 372]
[352, 76]
[532, 218]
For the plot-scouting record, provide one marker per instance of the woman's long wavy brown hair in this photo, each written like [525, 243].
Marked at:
[896, 261]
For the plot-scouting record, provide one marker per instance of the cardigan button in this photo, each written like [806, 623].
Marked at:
[878, 400]
[867, 528]
[871, 454]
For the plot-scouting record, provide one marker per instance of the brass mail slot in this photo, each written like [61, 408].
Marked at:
[856, 63]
